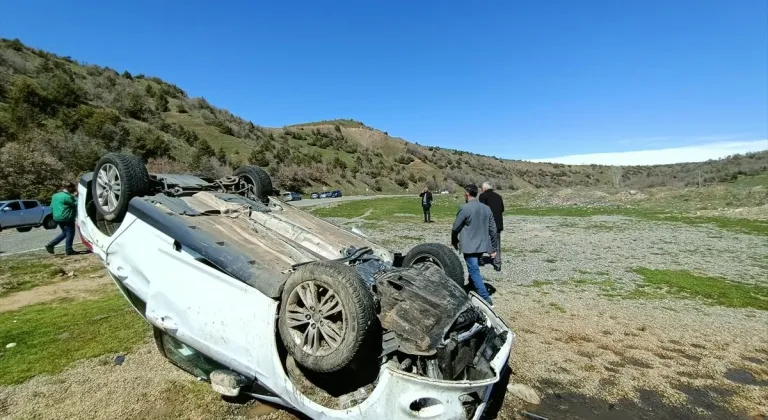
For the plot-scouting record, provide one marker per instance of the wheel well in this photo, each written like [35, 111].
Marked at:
[106, 227]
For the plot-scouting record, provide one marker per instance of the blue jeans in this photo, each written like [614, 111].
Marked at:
[68, 233]
[473, 267]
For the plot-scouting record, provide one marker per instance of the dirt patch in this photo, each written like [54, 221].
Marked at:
[79, 288]
[145, 385]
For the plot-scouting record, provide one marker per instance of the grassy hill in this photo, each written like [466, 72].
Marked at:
[57, 116]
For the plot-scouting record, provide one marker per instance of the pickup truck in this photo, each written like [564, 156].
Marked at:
[25, 215]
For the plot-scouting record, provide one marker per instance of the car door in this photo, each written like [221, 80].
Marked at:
[220, 316]
[33, 212]
[12, 214]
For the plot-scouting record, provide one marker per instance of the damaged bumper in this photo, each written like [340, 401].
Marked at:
[404, 395]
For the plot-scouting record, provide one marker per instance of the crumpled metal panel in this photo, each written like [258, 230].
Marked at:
[419, 304]
[239, 199]
[184, 181]
[176, 205]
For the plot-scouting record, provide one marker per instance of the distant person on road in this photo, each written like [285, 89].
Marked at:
[478, 232]
[64, 209]
[490, 198]
[426, 204]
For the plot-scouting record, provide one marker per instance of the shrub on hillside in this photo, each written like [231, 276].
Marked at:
[148, 143]
[401, 181]
[291, 178]
[180, 108]
[133, 105]
[27, 103]
[259, 158]
[29, 171]
[161, 103]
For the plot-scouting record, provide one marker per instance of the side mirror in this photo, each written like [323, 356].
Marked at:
[5, 209]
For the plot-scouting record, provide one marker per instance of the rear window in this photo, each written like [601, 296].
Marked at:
[30, 204]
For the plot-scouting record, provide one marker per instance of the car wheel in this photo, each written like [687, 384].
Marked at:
[439, 255]
[117, 179]
[326, 316]
[258, 180]
[49, 223]
[24, 229]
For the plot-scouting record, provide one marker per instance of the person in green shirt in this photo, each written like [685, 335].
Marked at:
[64, 209]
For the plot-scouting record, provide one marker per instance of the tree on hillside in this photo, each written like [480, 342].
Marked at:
[127, 75]
[259, 158]
[28, 171]
[204, 148]
[27, 104]
[221, 156]
[180, 108]
[161, 103]
[149, 89]
[148, 143]
[134, 105]
[338, 162]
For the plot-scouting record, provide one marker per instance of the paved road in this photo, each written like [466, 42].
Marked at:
[13, 242]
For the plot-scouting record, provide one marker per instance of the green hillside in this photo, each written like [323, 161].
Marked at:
[57, 116]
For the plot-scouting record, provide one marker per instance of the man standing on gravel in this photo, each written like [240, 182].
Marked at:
[426, 204]
[64, 209]
[490, 198]
[478, 232]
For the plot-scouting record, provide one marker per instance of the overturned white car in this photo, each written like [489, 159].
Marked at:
[260, 298]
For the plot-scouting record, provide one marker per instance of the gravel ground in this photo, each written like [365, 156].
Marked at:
[587, 355]
[566, 248]
[594, 357]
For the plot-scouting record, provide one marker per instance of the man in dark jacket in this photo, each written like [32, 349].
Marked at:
[478, 236]
[426, 204]
[490, 198]
[64, 209]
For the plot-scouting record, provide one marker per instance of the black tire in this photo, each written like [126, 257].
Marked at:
[24, 229]
[440, 255]
[259, 179]
[357, 316]
[134, 181]
[49, 223]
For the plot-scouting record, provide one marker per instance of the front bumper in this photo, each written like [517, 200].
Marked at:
[402, 395]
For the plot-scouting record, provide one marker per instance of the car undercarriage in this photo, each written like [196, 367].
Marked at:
[336, 307]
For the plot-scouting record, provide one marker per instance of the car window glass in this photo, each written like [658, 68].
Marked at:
[13, 206]
[30, 204]
[188, 358]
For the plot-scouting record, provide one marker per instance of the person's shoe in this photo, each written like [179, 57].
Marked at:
[49, 248]
[71, 253]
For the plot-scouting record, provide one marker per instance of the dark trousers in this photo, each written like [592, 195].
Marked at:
[427, 214]
[68, 233]
[497, 260]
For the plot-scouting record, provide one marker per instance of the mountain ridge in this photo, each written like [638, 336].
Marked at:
[57, 116]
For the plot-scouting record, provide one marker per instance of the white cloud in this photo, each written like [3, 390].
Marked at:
[697, 153]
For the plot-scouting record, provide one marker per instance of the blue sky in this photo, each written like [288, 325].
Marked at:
[516, 79]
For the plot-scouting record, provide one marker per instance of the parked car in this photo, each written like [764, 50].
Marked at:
[314, 195]
[325, 194]
[335, 194]
[25, 215]
[290, 196]
[272, 302]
